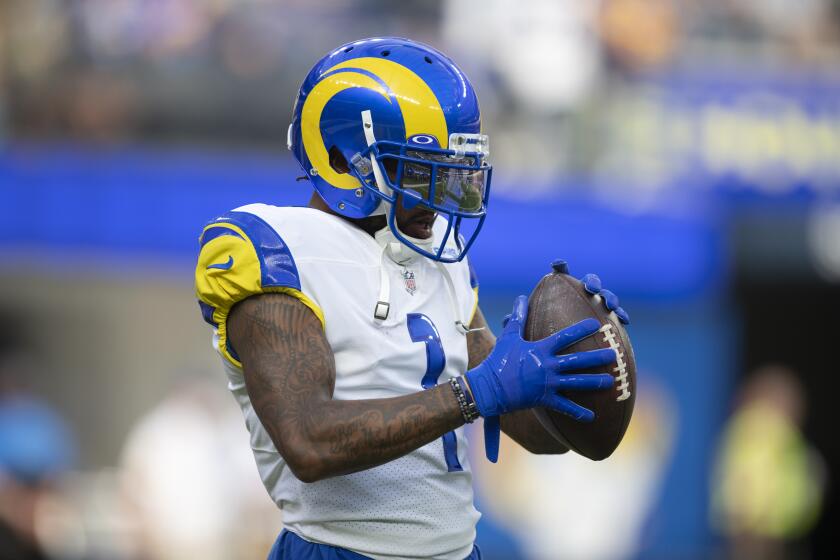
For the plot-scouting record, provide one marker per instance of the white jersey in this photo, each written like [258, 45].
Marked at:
[417, 506]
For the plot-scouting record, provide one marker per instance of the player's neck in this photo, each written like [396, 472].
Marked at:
[369, 225]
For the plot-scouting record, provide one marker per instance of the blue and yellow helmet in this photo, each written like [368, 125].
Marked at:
[383, 119]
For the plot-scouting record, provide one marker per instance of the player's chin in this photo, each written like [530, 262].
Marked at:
[419, 229]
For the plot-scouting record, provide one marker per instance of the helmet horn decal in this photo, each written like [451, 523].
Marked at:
[310, 123]
[420, 108]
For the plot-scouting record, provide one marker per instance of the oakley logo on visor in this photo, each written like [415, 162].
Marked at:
[424, 140]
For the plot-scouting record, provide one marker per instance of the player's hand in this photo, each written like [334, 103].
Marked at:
[521, 374]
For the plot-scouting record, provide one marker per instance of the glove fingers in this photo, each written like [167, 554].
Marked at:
[623, 316]
[583, 360]
[518, 315]
[561, 266]
[581, 382]
[571, 409]
[610, 300]
[572, 334]
[591, 283]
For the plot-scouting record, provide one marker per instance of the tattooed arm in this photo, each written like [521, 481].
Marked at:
[290, 377]
[522, 426]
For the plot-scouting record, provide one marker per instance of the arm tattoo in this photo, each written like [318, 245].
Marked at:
[522, 426]
[289, 373]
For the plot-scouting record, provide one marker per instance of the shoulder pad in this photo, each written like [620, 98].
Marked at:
[240, 256]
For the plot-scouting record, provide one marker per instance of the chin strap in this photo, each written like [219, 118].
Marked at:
[381, 183]
[394, 250]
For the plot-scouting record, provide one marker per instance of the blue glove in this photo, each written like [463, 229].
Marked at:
[520, 374]
[592, 284]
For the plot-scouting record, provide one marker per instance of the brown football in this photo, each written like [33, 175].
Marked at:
[558, 301]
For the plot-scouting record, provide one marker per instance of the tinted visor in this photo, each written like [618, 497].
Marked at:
[459, 183]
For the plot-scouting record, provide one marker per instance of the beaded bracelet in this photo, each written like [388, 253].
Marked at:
[465, 400]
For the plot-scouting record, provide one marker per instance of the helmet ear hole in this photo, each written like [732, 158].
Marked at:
[337, 161]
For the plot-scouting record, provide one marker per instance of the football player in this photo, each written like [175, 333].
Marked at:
[350, 330]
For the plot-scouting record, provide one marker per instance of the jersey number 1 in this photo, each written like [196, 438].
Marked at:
[421, 329]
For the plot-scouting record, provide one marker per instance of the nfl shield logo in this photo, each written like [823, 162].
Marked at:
[410, 283]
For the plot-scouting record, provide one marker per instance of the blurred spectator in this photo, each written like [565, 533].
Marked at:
[35, 448]
[191, 483]
[544, 52]
[639, 34]
[768, 482]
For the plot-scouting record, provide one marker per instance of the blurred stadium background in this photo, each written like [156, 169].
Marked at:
[687, 152]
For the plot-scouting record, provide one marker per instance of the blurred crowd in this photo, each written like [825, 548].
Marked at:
[226, 71]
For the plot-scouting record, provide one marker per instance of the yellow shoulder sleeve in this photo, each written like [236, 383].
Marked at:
[241, 256]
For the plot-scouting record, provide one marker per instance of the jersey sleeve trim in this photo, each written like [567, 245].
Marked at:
[225, 347]
[240, 256]
[305, 300]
